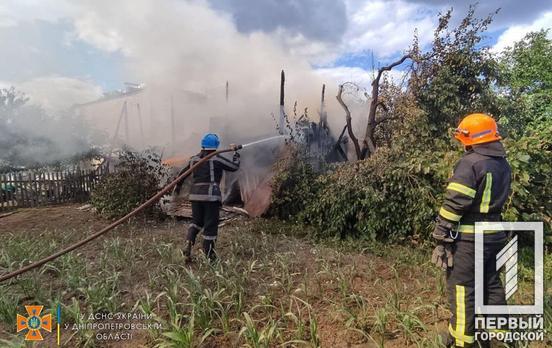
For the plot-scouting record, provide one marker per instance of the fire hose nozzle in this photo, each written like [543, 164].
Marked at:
[236, 147]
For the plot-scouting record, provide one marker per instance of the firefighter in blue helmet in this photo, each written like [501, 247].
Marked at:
[477, 191]
[205, 194]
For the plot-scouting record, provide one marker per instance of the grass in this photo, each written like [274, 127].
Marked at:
[8, 307]
[272, 287]
[183, 335]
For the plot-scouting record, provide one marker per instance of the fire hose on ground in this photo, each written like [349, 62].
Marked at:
[116, 223]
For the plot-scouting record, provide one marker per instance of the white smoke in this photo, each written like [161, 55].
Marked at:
[184, 51]
[57, 93]
[176, 47]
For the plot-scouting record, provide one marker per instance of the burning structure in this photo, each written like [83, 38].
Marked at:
[137, 117]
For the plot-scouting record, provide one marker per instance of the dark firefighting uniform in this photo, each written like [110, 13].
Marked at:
[206, 197]
[476, 191]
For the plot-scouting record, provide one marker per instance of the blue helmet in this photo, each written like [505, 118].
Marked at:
[210, 141]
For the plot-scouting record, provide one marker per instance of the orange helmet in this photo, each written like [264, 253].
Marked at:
[477, 129]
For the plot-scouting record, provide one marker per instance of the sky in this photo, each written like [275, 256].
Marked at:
[63, 52]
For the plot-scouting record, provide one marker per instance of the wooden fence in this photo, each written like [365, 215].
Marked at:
[35, 188]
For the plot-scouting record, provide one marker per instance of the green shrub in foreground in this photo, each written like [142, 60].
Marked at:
[376, 199]
[137, 177]
[395, 194]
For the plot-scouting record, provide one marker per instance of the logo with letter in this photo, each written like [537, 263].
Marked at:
[34, 323]
[507, 258]
[509, 322]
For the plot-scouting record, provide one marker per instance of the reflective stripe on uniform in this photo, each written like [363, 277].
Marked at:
[486, 199]
[470, 229]
[226, 162]
[460, 313]
[459, 332]
[203, 198]
[212, 170]
[468, 191]
[209, 237]
[212, 175]
[462, 338]
[195, 226]
[466, 228]
[449, 215]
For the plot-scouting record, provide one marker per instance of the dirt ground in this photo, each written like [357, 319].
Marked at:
[311, 294]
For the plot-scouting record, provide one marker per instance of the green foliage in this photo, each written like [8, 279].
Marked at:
[455, 77]
[526, 83]
[295, 292]
[8, 307]
[531, 160]
[377, 200]
[137, 178]
[293, 187]
[258, 338]
[526, 97]
[183, 335]
[395, 194]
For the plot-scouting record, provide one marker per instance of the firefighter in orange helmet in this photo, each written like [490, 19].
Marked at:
[476, 191]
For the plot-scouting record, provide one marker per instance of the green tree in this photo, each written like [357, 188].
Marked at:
[525, 83]
[455, 77]
[525, 88]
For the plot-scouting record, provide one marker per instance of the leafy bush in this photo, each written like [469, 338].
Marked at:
[375, 200]
[137, 177]
[293, 186]
[396, 194]
[531, 160]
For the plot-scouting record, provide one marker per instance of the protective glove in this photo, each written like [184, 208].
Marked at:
[442, 231]
[442, 256]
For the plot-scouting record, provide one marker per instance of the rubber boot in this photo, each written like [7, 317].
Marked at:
[188, 251]
[209, 249]
[193, 230]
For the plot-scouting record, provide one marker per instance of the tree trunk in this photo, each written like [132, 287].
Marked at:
[349, 125]
[369, 144]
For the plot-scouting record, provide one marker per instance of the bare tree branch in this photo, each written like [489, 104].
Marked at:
[337, 145]
[369, 146]
[349, 126]
[390, 66]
